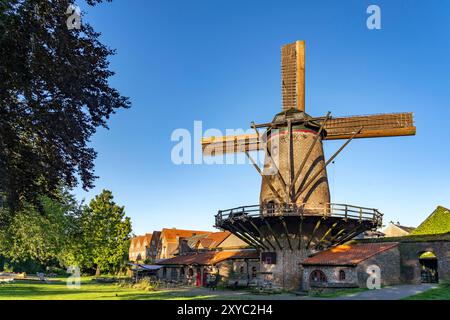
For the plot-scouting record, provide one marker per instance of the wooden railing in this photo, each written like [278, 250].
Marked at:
[338, 210]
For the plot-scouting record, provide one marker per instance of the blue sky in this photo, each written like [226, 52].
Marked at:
[219, 62]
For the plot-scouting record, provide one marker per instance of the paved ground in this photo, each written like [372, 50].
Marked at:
[389, 293]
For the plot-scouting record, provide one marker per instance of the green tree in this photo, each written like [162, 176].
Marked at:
[54, 94]
[47, 239]
[106, 234]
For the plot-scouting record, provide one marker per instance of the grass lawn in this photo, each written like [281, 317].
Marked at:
[440, 293]
[89, 290]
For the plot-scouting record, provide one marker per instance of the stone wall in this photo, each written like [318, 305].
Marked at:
[389, 263]
[332, 274]
[409, 262]
[288, 270]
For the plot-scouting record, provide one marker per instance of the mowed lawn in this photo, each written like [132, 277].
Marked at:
[56, 289]
[440, 293]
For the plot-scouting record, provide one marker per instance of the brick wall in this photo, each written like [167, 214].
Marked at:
[409, 263]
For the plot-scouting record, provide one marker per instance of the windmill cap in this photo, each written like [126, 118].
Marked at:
[297, 116]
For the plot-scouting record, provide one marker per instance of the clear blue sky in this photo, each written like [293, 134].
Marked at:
[218, 62]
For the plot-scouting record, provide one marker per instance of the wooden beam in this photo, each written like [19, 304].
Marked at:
[263, 238]
[289, 194]
[264, 177]
[374, 133]
[244, 236]
[250, 235]
[286, 232]
[375, 126]
[273, 234]
[300, 232]
[308, 153]
[239, 235]
[273, 162]
[313, 233]
[300, 74]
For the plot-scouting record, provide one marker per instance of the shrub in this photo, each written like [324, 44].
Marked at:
[146, 284]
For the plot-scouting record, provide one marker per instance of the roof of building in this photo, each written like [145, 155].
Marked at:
[445, 237]
[210, 257]
[212, 240]
[139, 242]
[156, 235]
[139, 266]
[193, 241]
[437, 223]
[172, 235]
[349, 255]
[404, 228]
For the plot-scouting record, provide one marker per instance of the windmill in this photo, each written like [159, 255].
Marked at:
[294, 218]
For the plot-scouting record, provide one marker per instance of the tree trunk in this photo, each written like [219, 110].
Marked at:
[97, 272]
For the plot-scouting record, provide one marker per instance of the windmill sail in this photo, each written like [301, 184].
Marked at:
[293, 75]
[379, 125]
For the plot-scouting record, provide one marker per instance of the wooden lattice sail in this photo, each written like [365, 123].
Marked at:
[374, 126]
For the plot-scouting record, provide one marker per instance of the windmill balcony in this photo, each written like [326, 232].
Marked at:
[335, 210]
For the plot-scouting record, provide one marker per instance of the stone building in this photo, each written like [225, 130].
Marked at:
[210, 253]
[423, 258]
[396, 230]
[346, 266]
[194, 268]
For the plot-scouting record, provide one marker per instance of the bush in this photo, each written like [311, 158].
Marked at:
[146, 284]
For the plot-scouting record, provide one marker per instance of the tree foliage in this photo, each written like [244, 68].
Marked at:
[106, 233]
[93, 237]
[45, 238]
[54, 94]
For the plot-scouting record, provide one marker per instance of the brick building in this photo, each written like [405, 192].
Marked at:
[139, 245]
[345, 266]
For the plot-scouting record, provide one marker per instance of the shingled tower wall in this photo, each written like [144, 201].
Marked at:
[316, 197]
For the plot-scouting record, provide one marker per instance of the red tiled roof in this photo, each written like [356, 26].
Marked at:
[210, 257]
[171, 235]
[349, 254]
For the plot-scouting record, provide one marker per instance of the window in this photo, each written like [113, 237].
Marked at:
[318, 276]
[341, 275]
[269, 257]
[254, 272]
[271, 207]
